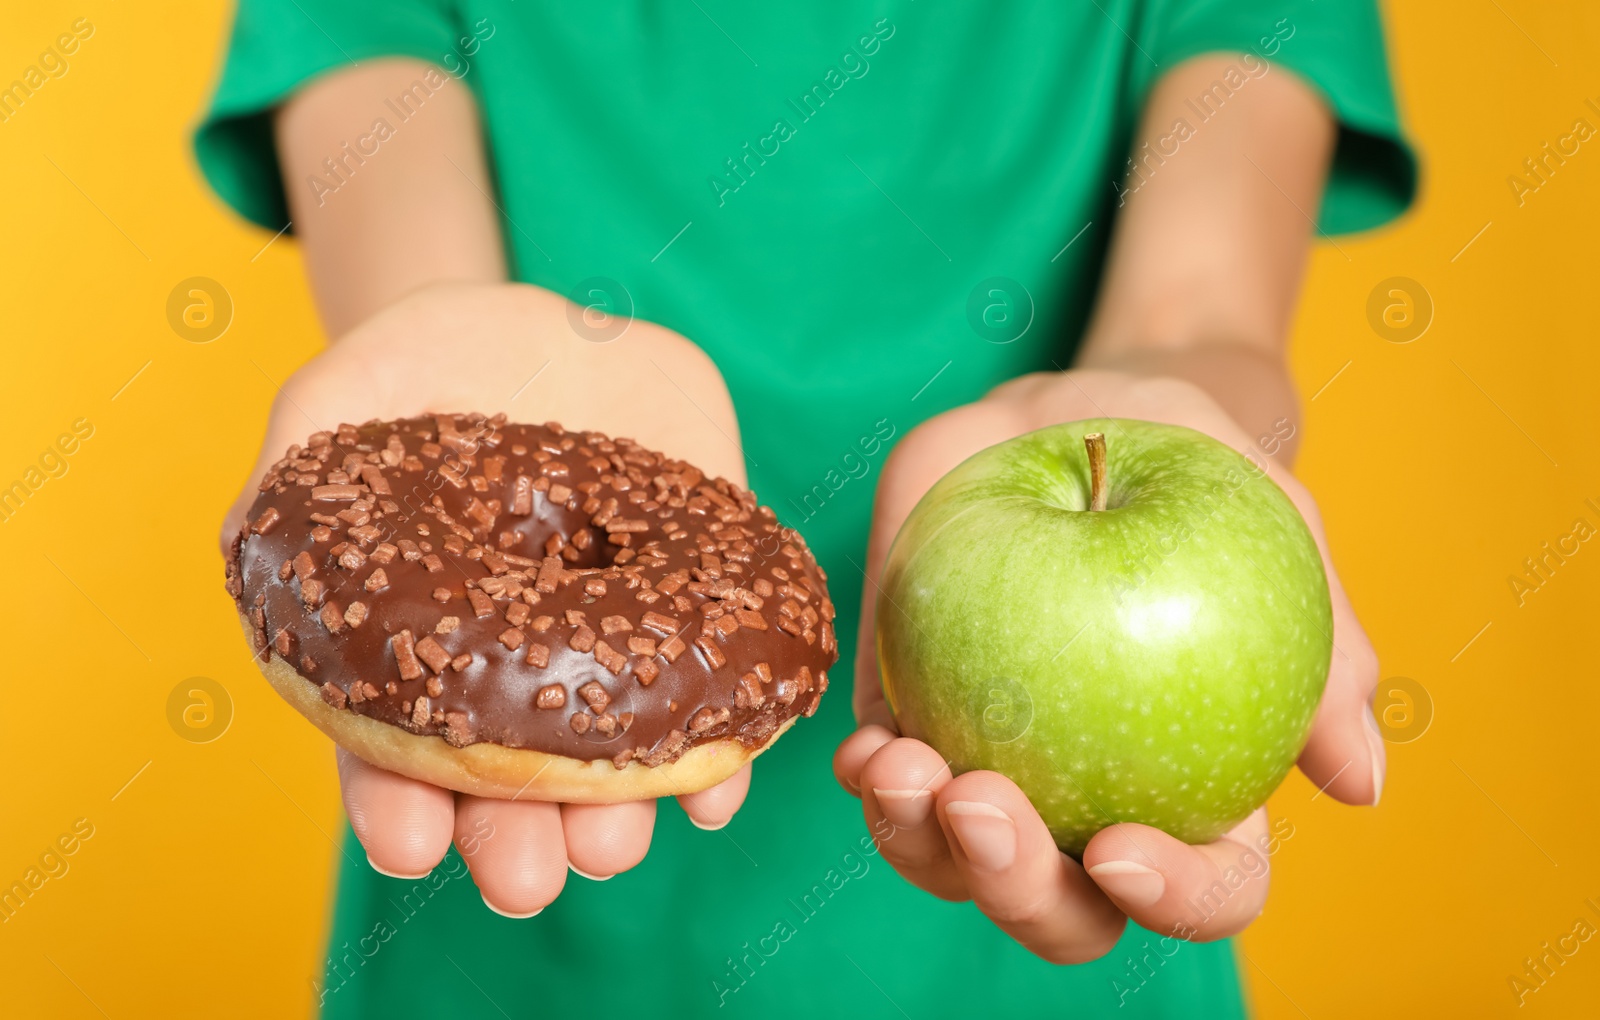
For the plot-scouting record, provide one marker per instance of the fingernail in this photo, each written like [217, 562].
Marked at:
[395, 874]
[1380, 757]
[1130, 883]
[905, 809]
[593, 878]
[507, 913]
[987, 835]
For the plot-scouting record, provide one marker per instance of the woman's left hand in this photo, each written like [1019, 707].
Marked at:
[975, 836]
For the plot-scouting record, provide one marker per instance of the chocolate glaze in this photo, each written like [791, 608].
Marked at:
[474, 495]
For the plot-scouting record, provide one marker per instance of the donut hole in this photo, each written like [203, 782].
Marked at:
[551, 520]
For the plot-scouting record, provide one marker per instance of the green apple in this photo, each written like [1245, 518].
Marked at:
[1157, 659]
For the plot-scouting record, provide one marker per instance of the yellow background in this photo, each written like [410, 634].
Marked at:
[1441, 464]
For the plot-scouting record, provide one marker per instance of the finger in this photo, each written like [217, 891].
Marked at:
[875, 712]
[898, 490]
[607, 839]
[1018, 877]
[286, 424]
[898, 787]
[1345, 756]
[714, 808]
[853, 753]
[404, 825]
[1195, 893]
[234, 520]
[866, 698]
[517, 854]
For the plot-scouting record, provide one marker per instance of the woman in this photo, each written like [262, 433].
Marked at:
[799, 239]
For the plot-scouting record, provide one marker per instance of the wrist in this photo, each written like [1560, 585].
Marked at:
[1046, 398]
[1251, 384]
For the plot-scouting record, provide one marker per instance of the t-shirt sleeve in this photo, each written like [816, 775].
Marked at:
[276, 47]
[1338, 47]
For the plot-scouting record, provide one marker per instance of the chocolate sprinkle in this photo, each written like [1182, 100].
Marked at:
[587, 562]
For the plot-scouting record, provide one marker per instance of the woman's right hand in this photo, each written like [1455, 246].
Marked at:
[406, 258]
[511, 348]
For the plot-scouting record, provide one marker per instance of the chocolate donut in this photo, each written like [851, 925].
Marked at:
[522, 611]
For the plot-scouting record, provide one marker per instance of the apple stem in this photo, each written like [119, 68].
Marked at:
[1096, 442]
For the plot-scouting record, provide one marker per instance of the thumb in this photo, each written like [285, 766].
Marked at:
[287, 424]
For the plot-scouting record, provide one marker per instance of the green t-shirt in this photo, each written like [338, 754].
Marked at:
[866, 214]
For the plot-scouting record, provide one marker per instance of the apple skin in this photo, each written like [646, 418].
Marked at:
[1159, 661]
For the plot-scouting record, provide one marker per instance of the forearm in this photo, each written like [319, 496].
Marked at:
[407, 263]
[1208, 253]
[383, 211]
